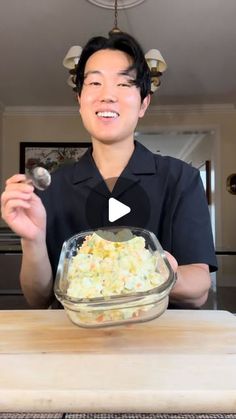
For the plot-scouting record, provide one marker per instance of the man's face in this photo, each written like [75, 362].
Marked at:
[110, 103]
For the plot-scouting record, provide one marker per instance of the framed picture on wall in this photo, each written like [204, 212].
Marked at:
[50, 155]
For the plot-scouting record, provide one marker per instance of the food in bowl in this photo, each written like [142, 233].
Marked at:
[112, 276]
[91, 272]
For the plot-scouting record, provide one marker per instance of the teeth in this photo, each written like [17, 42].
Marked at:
[107, 114]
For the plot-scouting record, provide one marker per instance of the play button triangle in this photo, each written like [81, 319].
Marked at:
[116, 209]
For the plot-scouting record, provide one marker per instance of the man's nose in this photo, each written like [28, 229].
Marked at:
[108, 93]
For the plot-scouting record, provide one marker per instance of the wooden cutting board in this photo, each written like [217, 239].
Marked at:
[184, 361]
[176, 331]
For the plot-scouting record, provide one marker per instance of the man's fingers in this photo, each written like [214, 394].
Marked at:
[7, 195]
[16, 178]
[173, 262]
[13, 205]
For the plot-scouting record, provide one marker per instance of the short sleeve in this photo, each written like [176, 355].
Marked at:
[192, 240]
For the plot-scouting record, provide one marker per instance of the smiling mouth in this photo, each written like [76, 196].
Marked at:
[107, 114]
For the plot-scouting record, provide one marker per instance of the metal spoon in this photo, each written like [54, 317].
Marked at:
[40, 177]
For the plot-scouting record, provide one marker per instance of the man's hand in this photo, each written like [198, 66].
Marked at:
[22, 209]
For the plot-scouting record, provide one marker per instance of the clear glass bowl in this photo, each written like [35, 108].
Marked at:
[109, 310]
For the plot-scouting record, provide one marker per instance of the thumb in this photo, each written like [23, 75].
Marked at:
[173, 262]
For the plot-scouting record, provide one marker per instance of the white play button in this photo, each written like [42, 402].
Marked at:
[116, 209]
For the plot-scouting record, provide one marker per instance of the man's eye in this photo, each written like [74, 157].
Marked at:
[125, 84]
[92, 83]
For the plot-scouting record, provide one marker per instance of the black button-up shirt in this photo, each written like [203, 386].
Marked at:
[178, 214]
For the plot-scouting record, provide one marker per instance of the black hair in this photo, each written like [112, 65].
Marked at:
[123, 42]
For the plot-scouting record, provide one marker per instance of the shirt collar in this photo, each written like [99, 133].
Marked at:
[142, 161]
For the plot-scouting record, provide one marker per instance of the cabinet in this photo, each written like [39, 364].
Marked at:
[11, 296]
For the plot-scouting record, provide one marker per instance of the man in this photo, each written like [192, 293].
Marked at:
[113, 82]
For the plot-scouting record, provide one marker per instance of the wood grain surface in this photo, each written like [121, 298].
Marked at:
[176, 331]
[184, 361]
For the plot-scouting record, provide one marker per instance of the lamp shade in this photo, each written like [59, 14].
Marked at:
[72, 57]
[70, 82]
[155, 60]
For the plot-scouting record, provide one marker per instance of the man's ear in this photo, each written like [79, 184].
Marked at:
[144, 105]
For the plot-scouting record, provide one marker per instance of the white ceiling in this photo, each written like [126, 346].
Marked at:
[196, 37]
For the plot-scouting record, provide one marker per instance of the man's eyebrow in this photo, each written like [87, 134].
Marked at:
[129, 72]
[91, 72]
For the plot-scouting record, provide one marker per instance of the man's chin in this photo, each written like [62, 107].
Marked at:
[107, 140]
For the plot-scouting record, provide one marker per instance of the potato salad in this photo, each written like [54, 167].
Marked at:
[109, 264]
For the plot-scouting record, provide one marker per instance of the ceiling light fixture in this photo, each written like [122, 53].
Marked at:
[122, 4]
[155, 61]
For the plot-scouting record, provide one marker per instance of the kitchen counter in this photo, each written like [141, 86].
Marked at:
[184, 361]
